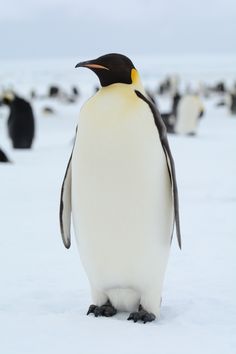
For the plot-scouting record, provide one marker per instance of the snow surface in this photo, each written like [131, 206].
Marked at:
[44, 290]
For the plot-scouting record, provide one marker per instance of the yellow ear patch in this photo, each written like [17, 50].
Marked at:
[8, 95]
[134, 76]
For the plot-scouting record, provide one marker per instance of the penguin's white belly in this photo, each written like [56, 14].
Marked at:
[121, 198]
[187, 115]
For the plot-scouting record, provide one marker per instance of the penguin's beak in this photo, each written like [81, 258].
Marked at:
[91, 65]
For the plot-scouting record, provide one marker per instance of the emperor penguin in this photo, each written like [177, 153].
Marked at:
[189, 110]
[231, 101]
[120, 187]
[21, 121]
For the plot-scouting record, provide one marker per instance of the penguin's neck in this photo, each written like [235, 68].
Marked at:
[135, 85]
[136, 81]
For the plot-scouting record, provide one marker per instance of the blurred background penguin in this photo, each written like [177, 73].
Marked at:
[20, 124]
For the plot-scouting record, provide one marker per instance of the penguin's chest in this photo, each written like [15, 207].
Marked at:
[121, 193]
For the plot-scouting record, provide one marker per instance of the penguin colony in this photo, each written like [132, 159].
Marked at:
[120, 188]
[182, 118]
[21, 120]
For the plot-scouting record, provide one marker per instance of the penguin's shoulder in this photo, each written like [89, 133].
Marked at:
[169, 158]
[151, 107]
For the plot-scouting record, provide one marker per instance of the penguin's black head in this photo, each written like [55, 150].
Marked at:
[8, 97]
[111, 69]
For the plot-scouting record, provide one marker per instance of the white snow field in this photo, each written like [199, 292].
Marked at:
[45, 294]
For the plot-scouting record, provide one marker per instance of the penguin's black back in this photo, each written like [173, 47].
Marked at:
[175, 103]
[20, 123]
[233, 104]
[3, 157]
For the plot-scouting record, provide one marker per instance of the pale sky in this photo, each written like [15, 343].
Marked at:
[65, 28]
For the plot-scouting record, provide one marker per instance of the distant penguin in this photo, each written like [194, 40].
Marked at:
[231, 100]
[3, 156]
[48, 110]
[220, 87]
[20, 122]
[33, 94]
[73, 96]
[121, 190]
[164, 86]
[170, 118]
[174, 84]
[54, 91]
[75, 91]
[175, 102]
[189, 110]
[221, 103]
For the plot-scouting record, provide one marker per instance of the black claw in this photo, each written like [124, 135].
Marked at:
[141, 315]
[106, 310]
[97, 312]
[148, 317]
[91, 309]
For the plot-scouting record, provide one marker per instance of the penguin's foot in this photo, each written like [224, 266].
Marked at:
[141, 315]
[106, 310]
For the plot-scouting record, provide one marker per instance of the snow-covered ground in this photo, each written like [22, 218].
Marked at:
[44, 291]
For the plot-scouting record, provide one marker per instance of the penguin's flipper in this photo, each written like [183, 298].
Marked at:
[65, 202]
[65, 206]
[169, 159]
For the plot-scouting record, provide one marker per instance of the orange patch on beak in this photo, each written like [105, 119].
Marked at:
[95, 66]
